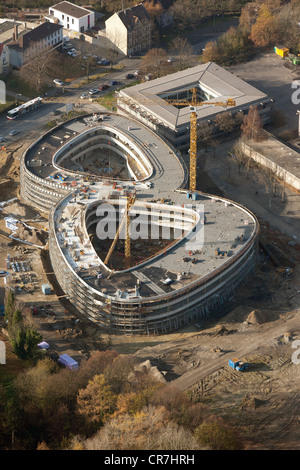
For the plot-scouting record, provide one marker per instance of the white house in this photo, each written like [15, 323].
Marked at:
[71, 16]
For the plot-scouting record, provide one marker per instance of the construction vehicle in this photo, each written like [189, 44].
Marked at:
[238, 365]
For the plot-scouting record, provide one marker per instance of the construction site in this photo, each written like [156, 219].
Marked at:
[184, 310]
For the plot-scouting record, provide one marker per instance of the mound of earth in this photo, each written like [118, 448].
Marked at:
[256, 317]
[19, 210]
[31, 235]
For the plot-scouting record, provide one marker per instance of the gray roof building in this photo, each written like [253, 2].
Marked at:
[147, 101]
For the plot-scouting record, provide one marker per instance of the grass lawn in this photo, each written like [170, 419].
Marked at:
[15, 84]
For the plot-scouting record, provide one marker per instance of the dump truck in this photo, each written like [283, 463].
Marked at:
[236, 364]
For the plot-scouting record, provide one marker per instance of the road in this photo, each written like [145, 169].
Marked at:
[41, 116]
[252, 342]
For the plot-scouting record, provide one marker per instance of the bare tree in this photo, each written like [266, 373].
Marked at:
[183, 50]
[112, 51]
[38, 66]
[153, 62]
[225, 122]
[205, 134]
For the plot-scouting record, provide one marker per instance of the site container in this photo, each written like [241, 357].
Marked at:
[46, 289]
[281, 51]
[68, 361]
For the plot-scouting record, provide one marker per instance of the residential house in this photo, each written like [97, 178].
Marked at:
[4, 59]
[71, 16]
[130, 30]
[44, 36]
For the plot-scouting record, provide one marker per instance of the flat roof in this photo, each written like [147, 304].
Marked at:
[71, 9]
[212, 78]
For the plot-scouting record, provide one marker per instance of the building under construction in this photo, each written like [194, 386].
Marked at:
[193, 251]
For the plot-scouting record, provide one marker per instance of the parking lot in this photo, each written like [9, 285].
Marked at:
[268, 73]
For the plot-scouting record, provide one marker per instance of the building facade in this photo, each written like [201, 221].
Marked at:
[130, 30]
[46, 36]
[71, 16]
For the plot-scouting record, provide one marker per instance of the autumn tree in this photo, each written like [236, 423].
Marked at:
[232, 47]
[252, 127]
[96, 401]
[265, 32]
[154, 9]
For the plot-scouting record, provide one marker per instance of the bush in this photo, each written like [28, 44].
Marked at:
[217, 436]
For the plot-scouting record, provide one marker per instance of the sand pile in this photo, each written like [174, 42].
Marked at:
[256, 317]
[30, 235]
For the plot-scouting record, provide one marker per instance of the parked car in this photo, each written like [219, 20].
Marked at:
[171, 59]
[114, 82]
[58, 82]
[129, 75]
[104, 62]
[2, 139]
[84, 95]
[93, 91]
[55, 113]
[103, 87]
[14, 132]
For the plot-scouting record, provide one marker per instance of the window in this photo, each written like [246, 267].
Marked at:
[72, 20]
[63, 17]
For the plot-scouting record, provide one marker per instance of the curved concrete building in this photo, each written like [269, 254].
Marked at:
[189, 251]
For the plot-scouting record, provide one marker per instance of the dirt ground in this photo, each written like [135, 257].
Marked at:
[258, 325]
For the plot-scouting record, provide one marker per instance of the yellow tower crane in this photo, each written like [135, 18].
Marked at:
[130, 200]
[193, 128]
[193, 103]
